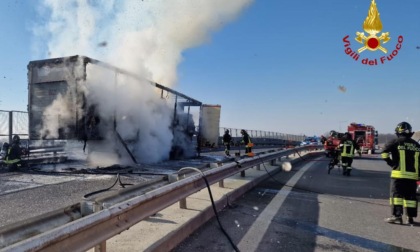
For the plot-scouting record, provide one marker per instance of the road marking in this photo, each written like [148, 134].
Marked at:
[253, 237]
[355, 240]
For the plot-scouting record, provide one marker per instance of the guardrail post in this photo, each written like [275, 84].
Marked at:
[101, 247]
[10, 127]
[242, 173]
[258, 167]
[183, 203]
[272, 162]
[86, 207]
[221, 183]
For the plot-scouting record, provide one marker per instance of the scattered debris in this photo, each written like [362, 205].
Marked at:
[103, 44]
[342, 88]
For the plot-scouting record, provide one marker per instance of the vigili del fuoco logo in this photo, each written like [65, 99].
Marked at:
[371, 41]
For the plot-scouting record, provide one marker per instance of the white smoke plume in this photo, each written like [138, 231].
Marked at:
[59, 112]
[144, 37]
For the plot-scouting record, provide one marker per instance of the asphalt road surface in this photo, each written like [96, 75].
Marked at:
[33, 192]
[308, 210]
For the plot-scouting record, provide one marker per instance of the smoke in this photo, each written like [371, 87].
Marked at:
[56, 114]
[144, 37]
[147, 37]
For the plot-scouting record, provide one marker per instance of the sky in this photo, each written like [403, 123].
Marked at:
[272, 65]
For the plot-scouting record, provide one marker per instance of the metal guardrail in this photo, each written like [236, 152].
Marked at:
[44, 154]
[87, 232]
[37, 225]
[24, 229]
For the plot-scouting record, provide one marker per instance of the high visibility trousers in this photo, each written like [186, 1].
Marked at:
[248, 149]
[403, 196]
[227, 148]
[346, 162]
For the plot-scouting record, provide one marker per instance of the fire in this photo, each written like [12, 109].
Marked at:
[372, 24]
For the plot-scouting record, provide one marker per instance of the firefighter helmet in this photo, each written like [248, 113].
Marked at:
[227, 131]
[404, 128]
[333, 133]
[242, 131]
[16, 139]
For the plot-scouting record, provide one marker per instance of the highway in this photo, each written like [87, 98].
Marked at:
[302, 210]
[308, 210]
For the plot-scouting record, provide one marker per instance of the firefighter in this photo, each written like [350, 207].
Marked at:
[404, 160]
[347, 147]
[246, 140]
[226, 142]
[13, 155]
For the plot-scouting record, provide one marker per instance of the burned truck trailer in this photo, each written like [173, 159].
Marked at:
[80, 98]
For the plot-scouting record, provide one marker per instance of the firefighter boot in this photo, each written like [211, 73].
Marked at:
[348, 172]
[410, 221]
[394, 220]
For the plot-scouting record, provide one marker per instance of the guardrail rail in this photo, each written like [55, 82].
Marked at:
[109, 216]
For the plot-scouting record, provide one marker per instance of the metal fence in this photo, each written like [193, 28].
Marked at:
[255, 134]
[13, 123]
[16, 123]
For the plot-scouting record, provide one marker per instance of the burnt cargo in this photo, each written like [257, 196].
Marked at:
[63, 81]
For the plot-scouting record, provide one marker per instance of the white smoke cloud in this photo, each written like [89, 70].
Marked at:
[144, 37]
[141, 36]
[58, 113]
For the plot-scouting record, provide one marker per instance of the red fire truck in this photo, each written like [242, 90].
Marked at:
[365, 136]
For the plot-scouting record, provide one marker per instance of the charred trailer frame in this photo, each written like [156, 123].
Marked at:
[51, 79]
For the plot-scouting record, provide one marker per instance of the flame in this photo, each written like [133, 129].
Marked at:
[372, 24]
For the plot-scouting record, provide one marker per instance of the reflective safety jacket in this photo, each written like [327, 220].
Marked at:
[247, 140]
[13, 154]
[404, 159]
[347, 148]
[227, 138]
